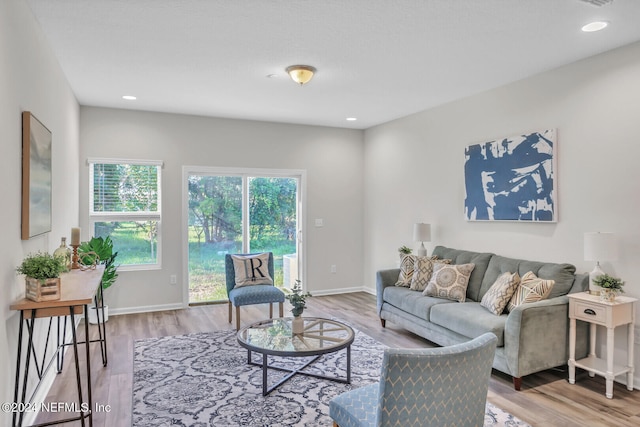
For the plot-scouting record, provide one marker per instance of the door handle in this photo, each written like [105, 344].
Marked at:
[589, 312]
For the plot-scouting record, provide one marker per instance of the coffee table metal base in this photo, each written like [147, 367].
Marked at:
[265, 367]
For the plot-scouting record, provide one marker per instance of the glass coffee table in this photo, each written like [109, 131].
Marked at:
[274, 337]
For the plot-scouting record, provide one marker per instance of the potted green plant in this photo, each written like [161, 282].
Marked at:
[298, 300]
[99, 250]
[404, 250]
[611, 287]
[42, 281]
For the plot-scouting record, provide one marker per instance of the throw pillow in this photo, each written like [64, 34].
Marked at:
[423, 270]
[449, 281]
[406, 270]
[500, 293]
[252, 269]
[531, 289]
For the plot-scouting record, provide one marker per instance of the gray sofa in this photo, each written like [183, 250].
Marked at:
[531, 338]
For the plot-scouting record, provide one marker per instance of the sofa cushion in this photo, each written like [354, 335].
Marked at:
[449, 281]
[481, 261]
[423, 270]
[531, 289]
[469, 319]
[562, 274]
[406, 270]
[413, 302]
[500, 293]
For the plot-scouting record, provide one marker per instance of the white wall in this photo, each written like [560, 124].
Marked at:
[414, 169]
[30, 80]
[332, 157]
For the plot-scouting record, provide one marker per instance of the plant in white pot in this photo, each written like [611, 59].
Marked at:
[298, 300]
[99, 250]
[611, 287]
[42, 281]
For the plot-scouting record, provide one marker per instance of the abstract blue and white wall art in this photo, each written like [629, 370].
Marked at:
[512, 179]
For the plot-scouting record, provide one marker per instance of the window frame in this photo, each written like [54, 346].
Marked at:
[95, 217]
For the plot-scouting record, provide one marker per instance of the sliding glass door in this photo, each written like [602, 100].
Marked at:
[244, 212]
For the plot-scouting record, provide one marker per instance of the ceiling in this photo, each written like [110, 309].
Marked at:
[377, 60]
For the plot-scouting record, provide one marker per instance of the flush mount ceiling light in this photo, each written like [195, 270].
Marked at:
[301, 74]
[129, 97]
[594, 26]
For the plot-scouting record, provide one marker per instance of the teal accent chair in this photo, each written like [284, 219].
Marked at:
[250, 295]
[444, 386]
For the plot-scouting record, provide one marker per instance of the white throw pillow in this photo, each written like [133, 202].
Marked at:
[252, 269]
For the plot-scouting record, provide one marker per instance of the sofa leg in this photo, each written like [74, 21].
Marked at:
[384, 322]
[517, 383]
[335, 424]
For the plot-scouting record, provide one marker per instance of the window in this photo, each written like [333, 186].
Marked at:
[125, 204]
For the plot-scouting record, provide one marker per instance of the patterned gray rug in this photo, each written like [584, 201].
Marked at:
[202, 380]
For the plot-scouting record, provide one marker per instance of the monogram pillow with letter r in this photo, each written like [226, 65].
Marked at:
[252, 269]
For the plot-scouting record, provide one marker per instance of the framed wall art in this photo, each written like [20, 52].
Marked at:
[512, 179]
[36, 177]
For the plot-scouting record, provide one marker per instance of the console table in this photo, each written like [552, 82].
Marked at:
[78, 290]
[589, 308]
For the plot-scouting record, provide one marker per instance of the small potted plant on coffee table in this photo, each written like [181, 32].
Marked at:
[298, 300]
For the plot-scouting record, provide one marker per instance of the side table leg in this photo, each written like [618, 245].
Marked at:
[592, 345]
[572, 351]
[609, 374]
[630, 361]
[77, 360]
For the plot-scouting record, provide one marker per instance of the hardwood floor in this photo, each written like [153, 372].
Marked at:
[546, 398]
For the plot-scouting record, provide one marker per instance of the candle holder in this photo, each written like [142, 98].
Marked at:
[74, 258]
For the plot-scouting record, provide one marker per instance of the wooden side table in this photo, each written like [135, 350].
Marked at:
[79, 289]
[589, 308]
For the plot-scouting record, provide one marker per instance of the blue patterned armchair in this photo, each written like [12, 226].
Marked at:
[250, 295]
[444, 386]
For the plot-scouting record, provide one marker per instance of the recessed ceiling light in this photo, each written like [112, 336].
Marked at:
[351, 119]
[595, 26]
[129, 97]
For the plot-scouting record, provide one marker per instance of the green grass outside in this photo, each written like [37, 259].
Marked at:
[206, 268]
[206, 260]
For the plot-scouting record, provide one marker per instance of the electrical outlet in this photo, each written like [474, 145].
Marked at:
[173, 279]
[334, 268]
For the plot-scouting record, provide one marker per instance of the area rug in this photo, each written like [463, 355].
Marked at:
[203, 379]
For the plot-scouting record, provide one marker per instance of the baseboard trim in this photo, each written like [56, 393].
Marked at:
[145, 309]
[343, 291]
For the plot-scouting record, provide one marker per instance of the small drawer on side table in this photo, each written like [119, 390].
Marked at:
[589, 312]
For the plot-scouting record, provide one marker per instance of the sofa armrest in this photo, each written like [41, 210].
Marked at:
[385, 278]
[537, 336]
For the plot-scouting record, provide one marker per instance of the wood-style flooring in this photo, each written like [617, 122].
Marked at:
[546, 398]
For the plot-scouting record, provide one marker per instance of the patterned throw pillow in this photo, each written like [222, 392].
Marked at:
[423, 270]
[449, 281]
[406, 270]
[500, 293]
[252, 269]
[531, 289]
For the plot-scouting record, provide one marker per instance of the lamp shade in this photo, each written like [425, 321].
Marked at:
[422, 232]
[600, 247]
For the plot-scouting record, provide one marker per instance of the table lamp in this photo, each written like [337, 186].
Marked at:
[422, 233]
[599, 247]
